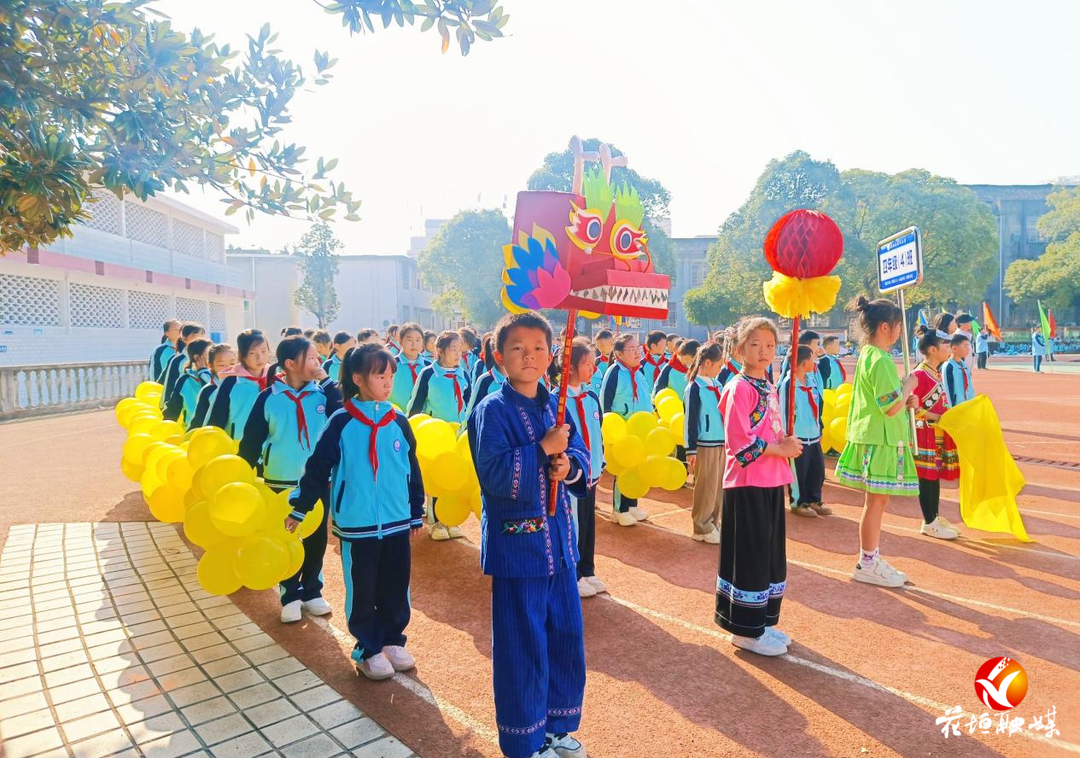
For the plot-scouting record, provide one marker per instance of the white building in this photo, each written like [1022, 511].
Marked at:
[104, 294]
[374, 291]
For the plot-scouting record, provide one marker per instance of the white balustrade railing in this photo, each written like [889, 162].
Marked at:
[39, 390]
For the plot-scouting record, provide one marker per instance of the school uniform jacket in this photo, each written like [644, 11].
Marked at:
[650, 368]
[672, 375]
[232, 402]
[162, 354]
[332, 367]
[367, 453]
[202, 404]
[583, 406]
[624, 392]
[282, 429]
[185, 394]
[958, 382]
[405, 379]
[168, 380]
[704, 424]
[831, 371]
[488, 382]
[603, 363]
[517, 537]
[440, 393]
[809, 401]
[730, 370]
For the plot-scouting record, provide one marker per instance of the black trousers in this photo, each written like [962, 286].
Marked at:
[981, 359]
[929, 498]
[619, 503]
[810, 471]
[307, 583]
[377, 590]
[752, 578]
[586, 537]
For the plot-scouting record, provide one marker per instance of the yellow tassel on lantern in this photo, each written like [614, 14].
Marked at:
[790, 297]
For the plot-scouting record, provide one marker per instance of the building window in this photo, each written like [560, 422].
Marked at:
[672, 320]
[98, 307]
[29, 301]
[698, 270]
[147, 310]
[406, 276]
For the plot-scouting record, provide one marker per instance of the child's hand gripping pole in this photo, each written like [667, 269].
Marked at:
[564, 382]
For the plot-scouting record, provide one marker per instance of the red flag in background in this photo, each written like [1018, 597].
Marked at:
[1053, 323]
[991, 323]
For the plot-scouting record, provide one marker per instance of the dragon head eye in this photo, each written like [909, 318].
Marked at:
[586, 228]
[626, 240]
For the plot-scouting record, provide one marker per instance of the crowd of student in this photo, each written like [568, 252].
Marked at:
[325, 416]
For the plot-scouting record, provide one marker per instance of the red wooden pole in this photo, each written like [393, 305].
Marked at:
[560, 415]
[793, 358]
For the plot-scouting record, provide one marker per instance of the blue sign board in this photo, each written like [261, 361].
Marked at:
[899, 260]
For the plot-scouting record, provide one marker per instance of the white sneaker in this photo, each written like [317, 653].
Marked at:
[938, 530]
[639, 514]
[712, 538]
[892, 568]
[763, 645]
[584, 589]
[317, 607]
[565, 746]
[881, 574]
[777, 635]
[291, 612]
[376, 667]
[400, 658]
[544, 752]
[454, 532]
[440, 533]
[945, 522]
[623, 519]
[596, 584]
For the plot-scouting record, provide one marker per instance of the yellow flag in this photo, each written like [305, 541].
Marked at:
[990, 480]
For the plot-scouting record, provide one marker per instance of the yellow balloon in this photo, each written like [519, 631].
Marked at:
[465, 451]
[173, 453]
[632, 485]
[163, 430]
[132, 472]
[628, 452]
[660, 442]
[448, 471]
[236, 509]
[260, 562]
[135, 448]
[826, 440]
[654, 470]
[452, 511]
[845, 389]
[209, 443]
[614, 468]
[640, 424]
[198, 527]
[668, 407]
[225, 469]
[829, 396]
[148, 389]
[179, 473]
[167, 504]
[838, 432]
[296, 556]
[434, 437]
[613, 427]
[125, 409]
[216, 574]
[476, 503]
[842, 405]
[312, 521]
[190, 499]
[677, 427]
[153, 459]
[667, 392]
[142, 423]
[676, 475]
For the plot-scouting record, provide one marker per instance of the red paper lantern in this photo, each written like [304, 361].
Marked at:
[804, 244]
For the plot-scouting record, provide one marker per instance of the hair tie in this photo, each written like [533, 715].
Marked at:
[944, 335]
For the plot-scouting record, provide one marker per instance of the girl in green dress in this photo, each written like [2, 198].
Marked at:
[877, 458]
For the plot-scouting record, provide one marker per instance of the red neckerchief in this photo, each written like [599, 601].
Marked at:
[412, 366]
[716, 391]
[457, 390]
[301, 419]
[373, 450]
[260, 380]
[630, 371]
[677, 365]
[580, 400]
[655, 363]
[963, 374]
[603, 359]
[810, 396]
[730, 366]
[843, 374]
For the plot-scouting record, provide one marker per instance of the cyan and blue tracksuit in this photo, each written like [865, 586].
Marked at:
[730, 370]
[163, 353]
[440, 392]
[650, 368]
[958, 381]
[279, 437]
[603, 363]
[332, 367]
[624, 392]
[405, 379]
[810, 465]
[672, 375]
[468, 362]
[173, 370]
[583, 406]
[485, 384]
[202, 404]
[831, 372]
[537, 643]
[703, 420]
[232, 402]
[185, 396]
[367, 453]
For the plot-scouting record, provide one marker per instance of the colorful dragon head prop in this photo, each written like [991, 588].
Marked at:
[583, 250]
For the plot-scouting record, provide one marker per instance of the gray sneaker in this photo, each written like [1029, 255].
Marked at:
[565, 746]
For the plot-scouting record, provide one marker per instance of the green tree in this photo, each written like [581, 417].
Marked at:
[1053, 277]
[465, 263]
[557, 173]
[319, 265]
[708, 305]
[109, 95]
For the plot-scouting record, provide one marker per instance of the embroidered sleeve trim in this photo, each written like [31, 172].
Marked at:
[889, 399]
[515, 480]
[750, 453]
[525, 526]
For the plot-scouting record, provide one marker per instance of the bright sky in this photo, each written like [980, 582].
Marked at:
[700, 96]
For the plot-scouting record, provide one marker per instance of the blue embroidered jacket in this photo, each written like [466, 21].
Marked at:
[365, 504]
[485, 384]
[517, 537]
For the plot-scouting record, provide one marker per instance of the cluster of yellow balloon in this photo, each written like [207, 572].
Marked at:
[196, 478]
[447, 467]
[669, 407]
[834, 418]
[637, 450]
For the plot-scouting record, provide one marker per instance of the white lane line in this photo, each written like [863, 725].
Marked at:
[1049, 513]
[418, 689]
[24, 442]
[934, 593]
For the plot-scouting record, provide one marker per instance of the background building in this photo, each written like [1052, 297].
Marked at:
[103, 294]
[691, 267]
[374, 291]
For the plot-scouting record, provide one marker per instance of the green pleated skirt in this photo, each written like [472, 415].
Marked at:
[878, 469]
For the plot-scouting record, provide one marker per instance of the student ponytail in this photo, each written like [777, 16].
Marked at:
[872, 314]
[247, 340]
[292, 348]
[194, 350]
[710, 351]
[364, 360]
[186, 332]
[929, 338]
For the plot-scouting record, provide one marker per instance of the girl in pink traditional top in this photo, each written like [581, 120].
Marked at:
[935, 452]
[753, 564]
